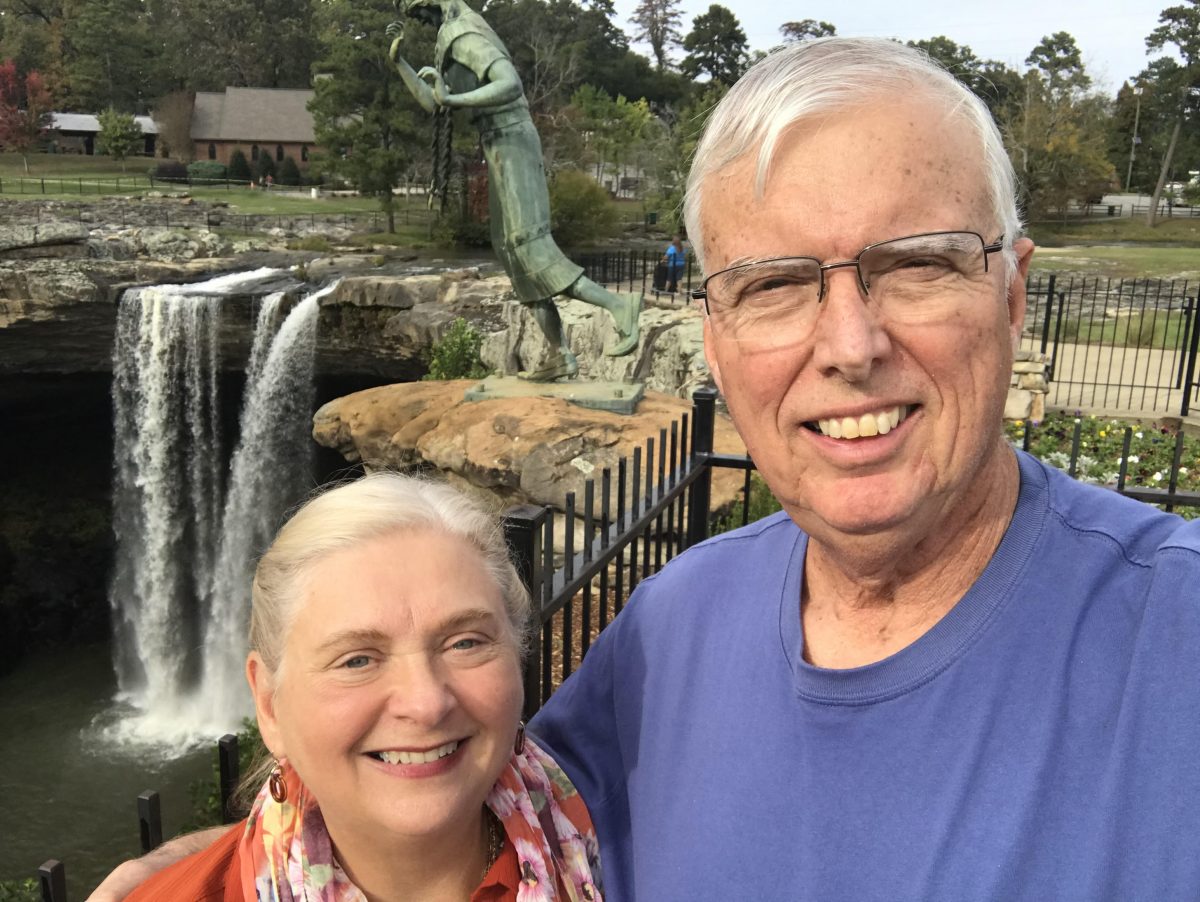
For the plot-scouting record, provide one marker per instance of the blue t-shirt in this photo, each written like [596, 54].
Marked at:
[676, 259]
[1041, 742]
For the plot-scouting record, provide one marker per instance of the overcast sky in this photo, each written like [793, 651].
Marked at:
[1110, 33]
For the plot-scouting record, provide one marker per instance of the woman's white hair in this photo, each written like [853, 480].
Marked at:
[829, 75]
[352, 513]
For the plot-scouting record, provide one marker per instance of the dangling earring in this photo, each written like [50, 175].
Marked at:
[276, 785]
[519, 745]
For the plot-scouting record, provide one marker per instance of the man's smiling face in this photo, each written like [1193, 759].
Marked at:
[895, 168]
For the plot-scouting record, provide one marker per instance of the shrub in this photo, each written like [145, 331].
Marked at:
[239, 169]
[206, 794]
[456, 354]
[462, 232]
[170, 171]
[264, 166]
[20, 891]
[207, 171]
[579, 209]
[318, 243]
[289, 172]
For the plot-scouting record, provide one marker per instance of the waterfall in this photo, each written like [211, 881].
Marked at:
[188, 530]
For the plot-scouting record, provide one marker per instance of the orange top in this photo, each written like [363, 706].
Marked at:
[212, 875]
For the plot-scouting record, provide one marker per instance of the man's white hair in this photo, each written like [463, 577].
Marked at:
[815, 78]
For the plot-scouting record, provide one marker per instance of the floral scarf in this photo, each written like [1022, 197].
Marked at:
[286, 854]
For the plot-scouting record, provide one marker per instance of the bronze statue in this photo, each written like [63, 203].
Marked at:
[472, 70]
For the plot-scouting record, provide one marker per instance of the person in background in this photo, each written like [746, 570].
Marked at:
[675, 257]
[386, 638]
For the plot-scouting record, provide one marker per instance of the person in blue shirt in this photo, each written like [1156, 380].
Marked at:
[675, 257]
[945, 671]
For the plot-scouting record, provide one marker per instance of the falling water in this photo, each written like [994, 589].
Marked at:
[187, 530]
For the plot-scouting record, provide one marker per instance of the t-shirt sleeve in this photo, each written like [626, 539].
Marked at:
[578, 725]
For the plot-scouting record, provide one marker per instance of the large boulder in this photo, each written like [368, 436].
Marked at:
[43, 239]
[517, 451]
[669, 357]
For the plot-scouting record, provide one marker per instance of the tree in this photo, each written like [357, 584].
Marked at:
[24, 110]
[119, 135]
[993, 82]
[657, 22]
[1180, 26]
[716, 46]
[1056, 130]
[108, 55]
[239, 168]
[173, 115]
[289, 172]
[805, 29]
[362, 112]
[257, 43]
[264, 166]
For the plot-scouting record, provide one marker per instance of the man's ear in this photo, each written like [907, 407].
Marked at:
[710, 356]
[1023, 247]
[262, 687]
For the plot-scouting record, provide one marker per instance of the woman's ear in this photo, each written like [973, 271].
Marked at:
[262, 687]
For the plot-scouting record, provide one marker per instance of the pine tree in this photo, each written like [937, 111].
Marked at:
[658, 25]
[362, 111]
[239, 169]
[716, 46]
[289, 172]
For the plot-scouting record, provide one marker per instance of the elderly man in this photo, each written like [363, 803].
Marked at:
[945, 671]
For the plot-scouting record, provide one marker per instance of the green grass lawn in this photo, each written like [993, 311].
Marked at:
[1180, 231]
[1154, 329]
[1121, 262]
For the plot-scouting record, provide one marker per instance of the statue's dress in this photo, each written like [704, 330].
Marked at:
[518, 201]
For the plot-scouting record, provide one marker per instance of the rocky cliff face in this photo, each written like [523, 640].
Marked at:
[58, 313]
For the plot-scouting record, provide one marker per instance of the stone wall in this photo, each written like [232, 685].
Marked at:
[1029, 386]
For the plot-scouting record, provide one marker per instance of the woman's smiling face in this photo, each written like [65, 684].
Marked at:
[399, 691]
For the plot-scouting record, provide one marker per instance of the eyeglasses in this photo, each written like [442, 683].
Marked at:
[772, 303]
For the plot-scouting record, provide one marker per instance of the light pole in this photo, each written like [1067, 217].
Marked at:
[1137, 115]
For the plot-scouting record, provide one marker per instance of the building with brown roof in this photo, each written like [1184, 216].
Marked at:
[274, 121]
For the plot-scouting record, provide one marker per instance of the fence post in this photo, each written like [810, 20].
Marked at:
[704, 404]
[1049, 314]
[149, 820]
[523, 530]
[53, 878]
[227, 757]
[1185, 340]
[1189, 379]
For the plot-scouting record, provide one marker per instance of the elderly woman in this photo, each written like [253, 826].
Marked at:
[385, 664]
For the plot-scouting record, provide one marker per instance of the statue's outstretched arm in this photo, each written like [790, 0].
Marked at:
[420, 89]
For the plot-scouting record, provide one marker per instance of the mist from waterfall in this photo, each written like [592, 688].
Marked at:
[189, 529]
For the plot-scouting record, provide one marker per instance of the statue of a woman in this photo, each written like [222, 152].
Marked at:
[472, 70]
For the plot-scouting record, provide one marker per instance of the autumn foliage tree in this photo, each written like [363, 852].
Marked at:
[24, 110]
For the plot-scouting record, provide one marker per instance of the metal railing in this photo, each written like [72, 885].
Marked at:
[1124, 344]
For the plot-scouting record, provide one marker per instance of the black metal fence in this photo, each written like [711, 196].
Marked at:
[1101, 211]
[628, 525]
[1123, 344]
